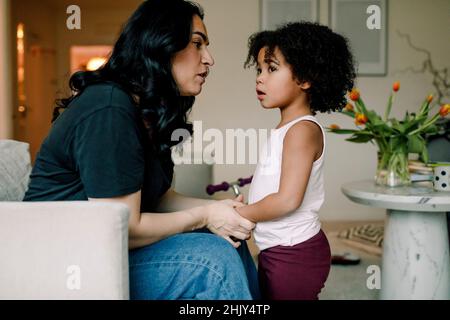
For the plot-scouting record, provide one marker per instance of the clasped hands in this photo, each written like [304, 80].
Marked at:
[223, 220]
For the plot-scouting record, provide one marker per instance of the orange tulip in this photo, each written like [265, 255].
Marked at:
[396, 86]
[360, 119]
[354, 95]
[349, 107]
[444, 110]
[334, 127]
[430, 98]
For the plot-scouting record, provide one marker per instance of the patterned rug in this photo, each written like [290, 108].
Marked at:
[368, 237]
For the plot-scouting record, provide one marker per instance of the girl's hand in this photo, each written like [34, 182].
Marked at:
[239, 198]
[223, 220]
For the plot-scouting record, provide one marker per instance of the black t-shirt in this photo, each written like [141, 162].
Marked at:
[99, 148]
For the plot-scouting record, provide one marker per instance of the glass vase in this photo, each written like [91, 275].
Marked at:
[392, 169]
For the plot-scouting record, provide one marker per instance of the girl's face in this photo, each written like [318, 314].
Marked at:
[276, 86]
[190, 66]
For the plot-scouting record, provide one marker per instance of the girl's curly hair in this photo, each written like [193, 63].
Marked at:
[315, 54]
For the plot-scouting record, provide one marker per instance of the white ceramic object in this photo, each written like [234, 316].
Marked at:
[441, 178]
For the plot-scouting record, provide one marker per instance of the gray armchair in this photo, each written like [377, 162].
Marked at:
[60, 249]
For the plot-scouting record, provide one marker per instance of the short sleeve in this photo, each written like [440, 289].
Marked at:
[108, 153]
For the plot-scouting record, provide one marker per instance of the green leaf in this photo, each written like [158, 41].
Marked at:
[424, 108]
[342, 131]
[364, 132]
[422, 118]
[416, 144]
[360, 138]
[362, 106]
[348, 113]
[383, 129]
[358, 106]
[433, 129]
[424, 156]
[374, 118]
[398, 126]
[399, 142]
[413, 124]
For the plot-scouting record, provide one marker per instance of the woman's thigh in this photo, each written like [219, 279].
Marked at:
[188, 266]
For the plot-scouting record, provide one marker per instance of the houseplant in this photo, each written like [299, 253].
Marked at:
[395, 139]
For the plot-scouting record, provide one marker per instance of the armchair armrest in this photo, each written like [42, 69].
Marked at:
[63, 250]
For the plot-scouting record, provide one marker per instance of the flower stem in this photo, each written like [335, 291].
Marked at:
[426, 125]
[388, 108]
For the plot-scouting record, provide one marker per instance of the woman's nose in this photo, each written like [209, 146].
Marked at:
[207, 58]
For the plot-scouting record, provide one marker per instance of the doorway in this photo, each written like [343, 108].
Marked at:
[35, 80]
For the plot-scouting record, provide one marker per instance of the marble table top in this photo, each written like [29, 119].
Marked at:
[411, 198]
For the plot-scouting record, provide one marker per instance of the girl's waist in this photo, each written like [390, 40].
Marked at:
[296, 218]
[273, 233]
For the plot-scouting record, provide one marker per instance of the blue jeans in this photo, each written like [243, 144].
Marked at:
[195, 265]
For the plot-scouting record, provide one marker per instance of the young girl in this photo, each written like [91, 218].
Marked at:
[302, 68]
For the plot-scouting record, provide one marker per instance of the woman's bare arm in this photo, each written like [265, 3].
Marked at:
[146, 228]
[173, 201]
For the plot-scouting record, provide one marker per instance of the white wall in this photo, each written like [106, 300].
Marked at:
[228, 99]
[5, 72]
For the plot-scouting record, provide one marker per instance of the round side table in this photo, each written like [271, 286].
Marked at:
[415, 262]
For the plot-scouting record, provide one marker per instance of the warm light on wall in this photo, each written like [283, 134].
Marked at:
[89, 57]
[21, 68]
[95, 63]
[20, 31]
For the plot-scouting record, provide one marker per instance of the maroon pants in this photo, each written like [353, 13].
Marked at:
[295, 273]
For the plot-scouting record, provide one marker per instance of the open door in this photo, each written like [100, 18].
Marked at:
[35, 88]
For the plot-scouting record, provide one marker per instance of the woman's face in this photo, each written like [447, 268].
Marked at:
[190, 66]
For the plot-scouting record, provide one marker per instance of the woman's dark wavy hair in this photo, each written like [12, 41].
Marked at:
[316, 54]
[141, 64]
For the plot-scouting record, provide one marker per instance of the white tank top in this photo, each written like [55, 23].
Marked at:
[302, 223]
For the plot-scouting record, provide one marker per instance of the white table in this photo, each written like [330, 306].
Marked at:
[416, 262]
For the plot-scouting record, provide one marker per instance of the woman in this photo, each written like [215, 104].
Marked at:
[112, 143]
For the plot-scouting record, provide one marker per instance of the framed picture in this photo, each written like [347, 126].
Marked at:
[277, 12]
[364, 23]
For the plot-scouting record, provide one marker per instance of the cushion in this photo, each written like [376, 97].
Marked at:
[15, 169]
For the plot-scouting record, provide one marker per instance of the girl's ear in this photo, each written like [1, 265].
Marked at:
[304, 85]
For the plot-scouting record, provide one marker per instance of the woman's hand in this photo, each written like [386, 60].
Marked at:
[223, 220]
